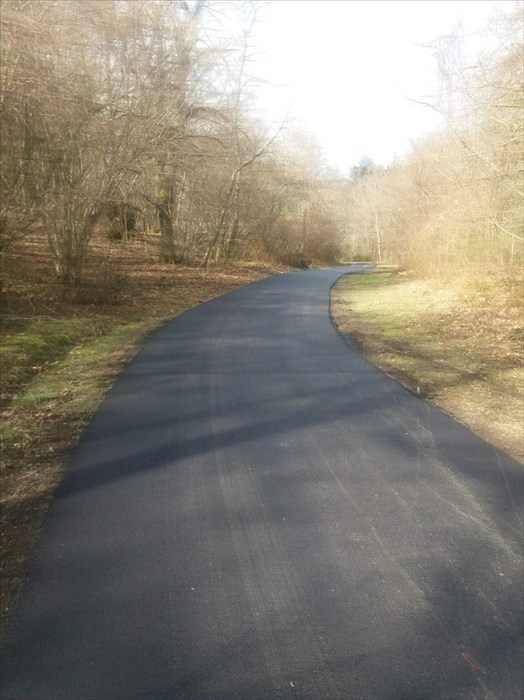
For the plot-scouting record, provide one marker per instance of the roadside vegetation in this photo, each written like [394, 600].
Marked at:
[461, 348]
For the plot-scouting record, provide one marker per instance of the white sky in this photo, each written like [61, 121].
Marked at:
[347, 68]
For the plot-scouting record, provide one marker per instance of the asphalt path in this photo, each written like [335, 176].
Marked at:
[256, 512]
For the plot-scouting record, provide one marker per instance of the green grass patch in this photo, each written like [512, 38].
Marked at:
[8, 433]
[35, 396]
[392, 329]
[41, 343]
[372, 279]
[82, 377]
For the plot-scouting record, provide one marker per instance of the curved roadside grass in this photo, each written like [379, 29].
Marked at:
[82, 376]
[39, 344]
[458, 346]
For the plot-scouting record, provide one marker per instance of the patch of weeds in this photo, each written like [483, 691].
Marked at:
[106, 345]
[35, 396]
[83, 374]
[8, 433]
[372, 279]
[392, 329]
[40, 343]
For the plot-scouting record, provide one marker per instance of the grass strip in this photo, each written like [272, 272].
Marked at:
[459, 348]
[39, 344]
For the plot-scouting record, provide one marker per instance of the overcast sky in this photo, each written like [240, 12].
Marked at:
[347, 68]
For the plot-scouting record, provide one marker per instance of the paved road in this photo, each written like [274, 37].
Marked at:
[256, 512]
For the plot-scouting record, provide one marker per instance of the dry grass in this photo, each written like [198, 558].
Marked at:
[459, 346]
[62, 350]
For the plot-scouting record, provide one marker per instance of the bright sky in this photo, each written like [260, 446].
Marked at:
[347, 68]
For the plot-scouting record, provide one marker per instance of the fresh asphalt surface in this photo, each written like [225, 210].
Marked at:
[257, 513]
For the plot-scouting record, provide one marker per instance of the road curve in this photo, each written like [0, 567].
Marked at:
[256, 512]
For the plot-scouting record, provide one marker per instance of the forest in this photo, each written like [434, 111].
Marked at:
[138, 119]
[454, 205]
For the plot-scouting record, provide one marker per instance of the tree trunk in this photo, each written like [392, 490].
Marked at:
[377, 232]
[165, 221]
[230, 250]
[167, 235]
[221, 224]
